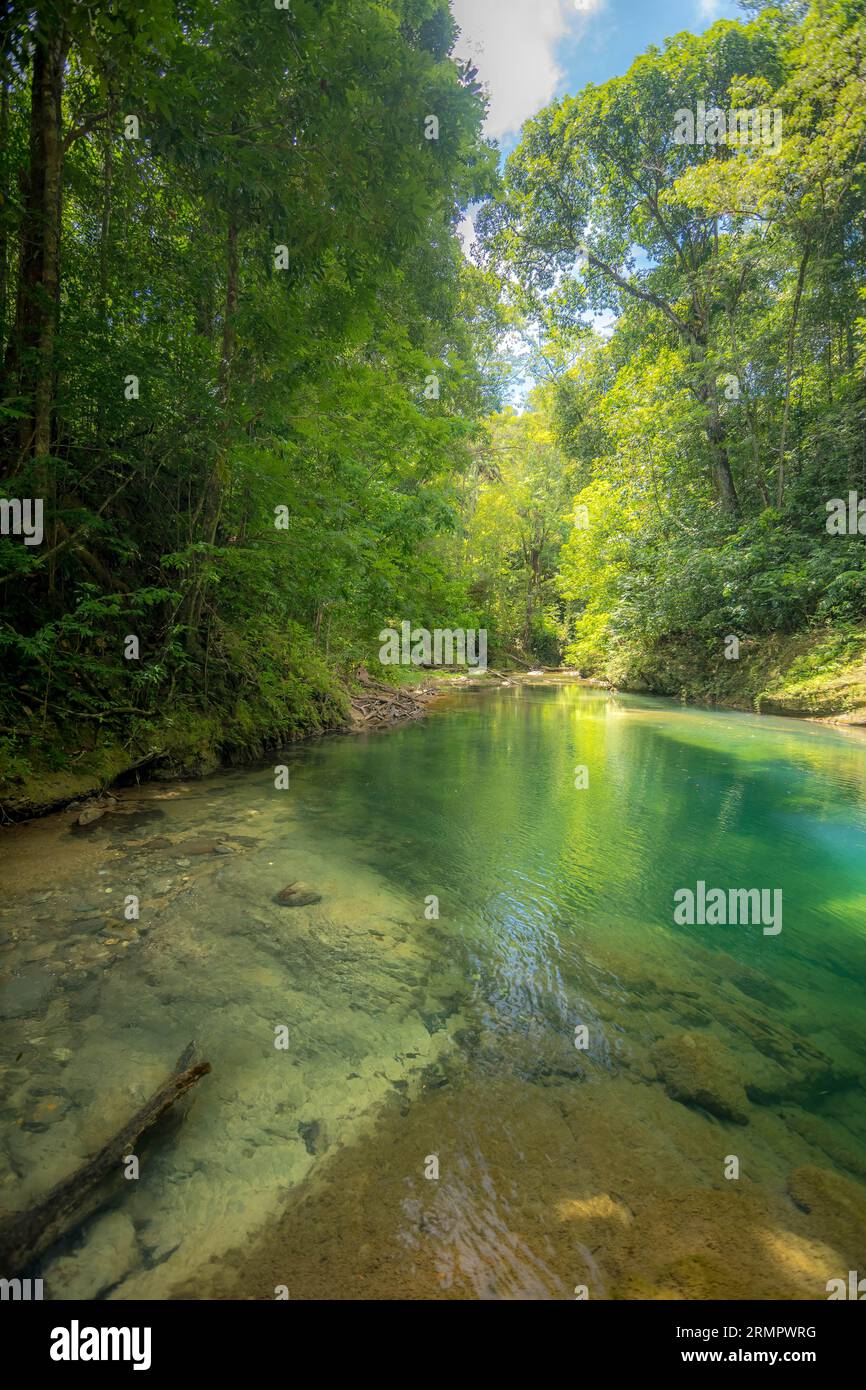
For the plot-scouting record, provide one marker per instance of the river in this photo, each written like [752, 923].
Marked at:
[551, 1089]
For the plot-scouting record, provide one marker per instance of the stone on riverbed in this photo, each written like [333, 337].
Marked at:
[26, 991]
[837, 1204]
[109, 1252]
[297, 895]
[204, 847]
[698, 1070]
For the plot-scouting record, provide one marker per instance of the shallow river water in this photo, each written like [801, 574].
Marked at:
[617, 1105]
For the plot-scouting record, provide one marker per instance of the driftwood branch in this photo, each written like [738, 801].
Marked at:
[530, 664]
[378, 705]
[26, 1236]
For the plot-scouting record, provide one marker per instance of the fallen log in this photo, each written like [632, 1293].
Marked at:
[530, 665]
[28, 1234]
[378, 704]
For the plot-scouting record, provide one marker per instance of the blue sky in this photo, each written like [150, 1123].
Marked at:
[529, 51]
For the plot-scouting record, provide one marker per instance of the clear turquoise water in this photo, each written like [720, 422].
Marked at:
[555, 910]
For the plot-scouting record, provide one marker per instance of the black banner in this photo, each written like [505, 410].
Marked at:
[63, 1339]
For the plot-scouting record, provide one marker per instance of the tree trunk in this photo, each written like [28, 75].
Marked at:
[229, 336]
[717, 434]
[39, 289]
[104, 240]
[105, 226]
[722, 465]
[789, 369]
[4, 193]
[212, 501]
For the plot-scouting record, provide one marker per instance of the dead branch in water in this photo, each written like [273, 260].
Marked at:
[378, 705]
[531, 665]
[24, 1237]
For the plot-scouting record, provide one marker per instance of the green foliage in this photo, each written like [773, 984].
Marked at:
[216, 380]
[707, 432]
[514, 528]
[266, 380]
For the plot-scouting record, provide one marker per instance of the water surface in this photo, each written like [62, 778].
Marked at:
[414, 1038]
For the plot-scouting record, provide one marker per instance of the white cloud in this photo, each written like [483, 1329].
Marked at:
[710, 9]
[467, 235]
[513, 44]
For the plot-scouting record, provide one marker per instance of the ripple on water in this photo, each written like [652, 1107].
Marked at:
[410, 1037]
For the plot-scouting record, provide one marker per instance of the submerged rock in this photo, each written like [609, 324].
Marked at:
[713, 1243]
[830, 1136]
[297, 895]
[836, 1204]
[109, 1252]
[698, 1070]
[313, 1134]
[46, 1111]
[764, 991]
[27, 991]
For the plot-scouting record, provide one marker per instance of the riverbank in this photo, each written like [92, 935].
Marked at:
[191, 744]
[819, 675]
[187, 744]
[469, 915]
[813, 675]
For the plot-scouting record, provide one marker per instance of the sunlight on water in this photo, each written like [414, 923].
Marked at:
[559, 1166]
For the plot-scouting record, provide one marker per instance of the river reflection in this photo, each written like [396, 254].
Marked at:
[412, 1035]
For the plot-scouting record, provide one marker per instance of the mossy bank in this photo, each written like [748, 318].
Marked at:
[819, 674]
[293, 693]
[296, 694]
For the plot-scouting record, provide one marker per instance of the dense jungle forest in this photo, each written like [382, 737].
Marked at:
[270, 406]
[482, 384]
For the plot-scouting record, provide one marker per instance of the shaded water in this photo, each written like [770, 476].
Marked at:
[411, 1038]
